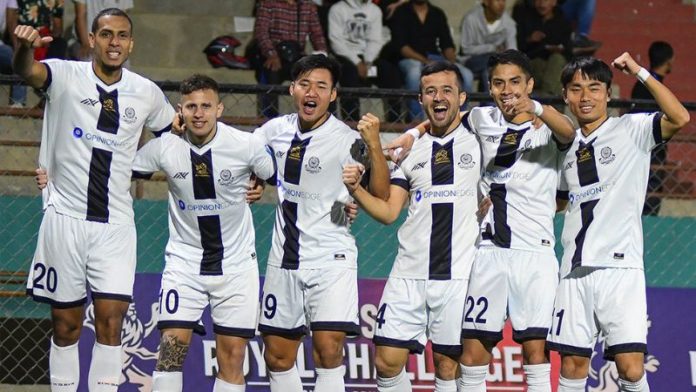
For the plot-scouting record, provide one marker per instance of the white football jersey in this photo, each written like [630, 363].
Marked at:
[438, 239]
[604, 178]
[311, 229]
[520, 174]
[210, 223]
[89, 137]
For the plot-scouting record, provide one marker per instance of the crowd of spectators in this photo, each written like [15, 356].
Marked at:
[387, 42]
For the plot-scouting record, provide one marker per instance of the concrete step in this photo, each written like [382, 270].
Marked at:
[18, 158]
[16, 128]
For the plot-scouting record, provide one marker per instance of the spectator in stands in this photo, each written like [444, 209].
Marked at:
[544, 35]
[46, 16]
[355, 35]
[661, 57]
[85, 11]
[485, 29]
[8, 13]
[581, 12]
[421, 34]
[281, 31]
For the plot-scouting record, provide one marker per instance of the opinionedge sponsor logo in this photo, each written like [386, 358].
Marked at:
[182, 205]
[589, 193]
[444, 194]
[77, 132]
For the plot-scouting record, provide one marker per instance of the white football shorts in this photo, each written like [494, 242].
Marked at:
[607, 301]
[510, 283]
[72, 253]
[296, 301]
[233, 299]
[412, 311]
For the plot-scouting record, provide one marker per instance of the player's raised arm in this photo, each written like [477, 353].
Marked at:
[384, 211]
[675, 114]
[368, 126]
[558, 123]
[24, 65]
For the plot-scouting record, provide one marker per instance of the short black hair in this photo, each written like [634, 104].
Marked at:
[316, 61]
[590, 68]
[659, 53]
[110, 12]
[198, 82]
[512, 57]
[442, 66]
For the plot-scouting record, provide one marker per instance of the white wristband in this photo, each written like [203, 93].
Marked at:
[538, 109]
[643, 75]
[414, 132]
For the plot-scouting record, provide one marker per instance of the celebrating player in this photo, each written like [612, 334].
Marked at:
[93, 119]
[424, 295]
[210, 257]
[515, 271]
[603, 181]
[312, 266]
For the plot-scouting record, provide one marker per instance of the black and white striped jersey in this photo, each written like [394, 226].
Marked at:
[604, 178]
[438, 239]
[520, 174]
[210, 223]
[311, 230]
[89, 137]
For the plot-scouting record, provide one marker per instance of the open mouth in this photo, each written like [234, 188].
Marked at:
[585, 109]
[113, 55]
[309, 107]
[440, 112]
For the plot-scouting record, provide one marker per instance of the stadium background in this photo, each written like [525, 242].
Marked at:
[163, 52]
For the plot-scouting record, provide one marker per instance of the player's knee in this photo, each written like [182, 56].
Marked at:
[535, 356]
[631, 372]
[446, 368]
[387, 367]
[278, 361]
[574, 366]
[66, 332]
[476, 352]
[108, 329]
[230, 359]
[329, 355]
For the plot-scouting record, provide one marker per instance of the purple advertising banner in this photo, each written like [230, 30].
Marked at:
[671, 364]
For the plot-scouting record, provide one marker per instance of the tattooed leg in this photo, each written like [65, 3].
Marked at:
[172, 352]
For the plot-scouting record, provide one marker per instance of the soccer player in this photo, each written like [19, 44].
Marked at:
[93, 119]
[515, 270]
[424, 295]
[603, 180]
[210, 256]
[311, 279]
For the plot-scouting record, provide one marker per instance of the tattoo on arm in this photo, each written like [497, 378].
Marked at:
[171, 354]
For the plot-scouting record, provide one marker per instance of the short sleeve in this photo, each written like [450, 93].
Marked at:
[147, 159]
[644, 129]
[261, 160]
[59, 75]
[562, 187]
[397, 176]
[160, 117]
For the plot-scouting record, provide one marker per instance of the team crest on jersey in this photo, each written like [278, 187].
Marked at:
[510, 138]
[312, 165]
[604, 377]
[442, 157]
[129, 116]
[584, 154]
[108, 105]
[466, 161]
[295, 153]
[202, 170]
[606, 156]
[225, 177]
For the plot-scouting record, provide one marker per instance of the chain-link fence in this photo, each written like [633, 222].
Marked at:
[670, 228]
